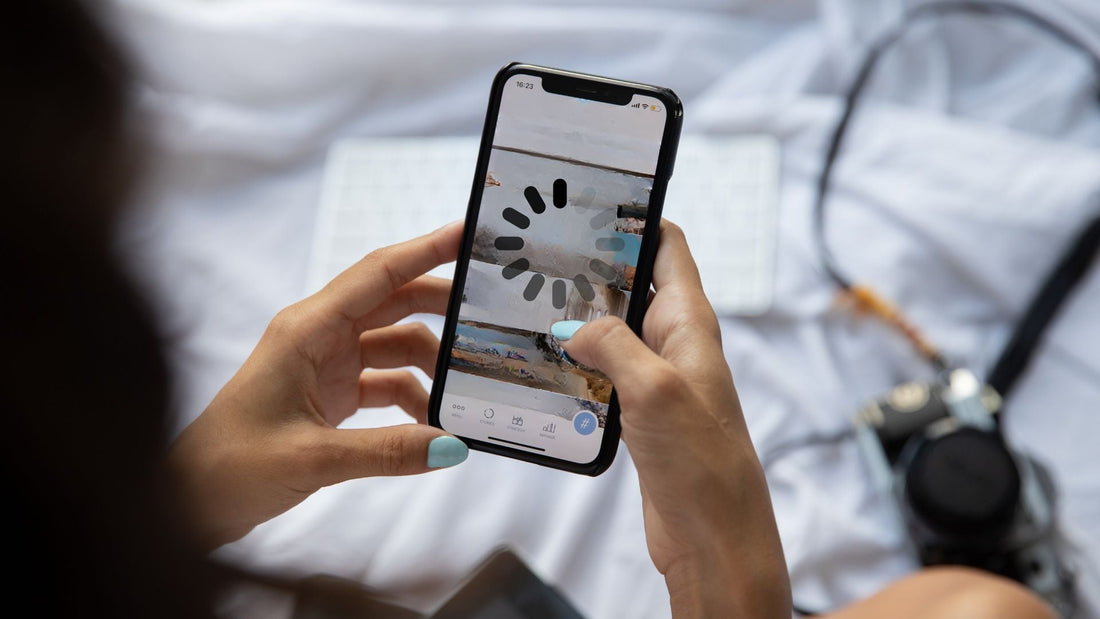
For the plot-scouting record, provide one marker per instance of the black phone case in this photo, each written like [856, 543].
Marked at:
[504, 578]
[589, 87]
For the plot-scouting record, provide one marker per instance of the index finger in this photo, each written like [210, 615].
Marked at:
[369, 282]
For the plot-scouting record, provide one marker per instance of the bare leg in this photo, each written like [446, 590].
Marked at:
[950, 593]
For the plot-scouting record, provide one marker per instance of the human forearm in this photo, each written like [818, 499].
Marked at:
[708, 516]
[757, 591]
[737, 567]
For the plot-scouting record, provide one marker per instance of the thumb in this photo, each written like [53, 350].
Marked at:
[608, 345]
[656, 403]
[406, 449]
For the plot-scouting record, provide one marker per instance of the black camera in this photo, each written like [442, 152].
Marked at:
[965, 496]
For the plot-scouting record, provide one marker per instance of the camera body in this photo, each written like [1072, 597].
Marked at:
[965, 496]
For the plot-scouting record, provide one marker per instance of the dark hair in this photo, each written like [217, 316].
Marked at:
[97, 528]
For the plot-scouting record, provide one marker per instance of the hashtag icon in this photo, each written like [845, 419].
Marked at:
[585, 423]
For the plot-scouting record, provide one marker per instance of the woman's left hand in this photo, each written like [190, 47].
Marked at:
[270, 439]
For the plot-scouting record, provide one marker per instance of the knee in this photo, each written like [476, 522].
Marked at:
[973, 594]
[950, 593]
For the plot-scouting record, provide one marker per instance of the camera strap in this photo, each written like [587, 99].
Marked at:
[1061, 281]
[1056, 287]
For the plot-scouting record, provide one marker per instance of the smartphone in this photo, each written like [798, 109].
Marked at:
[505, 587]
[562, 224]
[502, 586]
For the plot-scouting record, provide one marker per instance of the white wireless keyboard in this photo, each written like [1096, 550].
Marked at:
[723, 193]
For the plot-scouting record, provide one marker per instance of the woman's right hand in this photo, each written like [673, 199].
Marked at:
[708, 516]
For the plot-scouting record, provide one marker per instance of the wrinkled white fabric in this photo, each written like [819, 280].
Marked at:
[975, 156]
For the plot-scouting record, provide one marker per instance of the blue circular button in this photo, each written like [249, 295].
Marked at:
[585, 423]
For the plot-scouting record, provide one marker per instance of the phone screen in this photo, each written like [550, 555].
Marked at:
[559, 228]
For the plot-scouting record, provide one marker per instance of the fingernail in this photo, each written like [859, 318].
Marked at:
[565, 329]
[446, 451]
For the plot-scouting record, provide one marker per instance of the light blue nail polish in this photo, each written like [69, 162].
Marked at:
[565, 329]
[446, 451]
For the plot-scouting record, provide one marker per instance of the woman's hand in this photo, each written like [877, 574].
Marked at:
[708, 516]
[269, 438]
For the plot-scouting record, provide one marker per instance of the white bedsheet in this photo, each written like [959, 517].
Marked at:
[975, 157]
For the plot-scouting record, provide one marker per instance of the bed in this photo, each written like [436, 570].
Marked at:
[974, 158]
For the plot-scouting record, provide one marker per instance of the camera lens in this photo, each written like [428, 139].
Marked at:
[964, 483]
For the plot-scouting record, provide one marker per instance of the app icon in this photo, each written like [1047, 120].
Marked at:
[585, 423]
[489, 413]
[550, 427]
[517, 421]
